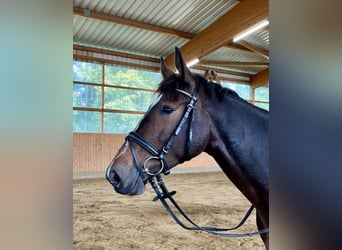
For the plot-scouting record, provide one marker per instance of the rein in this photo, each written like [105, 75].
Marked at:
[160, 188]
[163, 194]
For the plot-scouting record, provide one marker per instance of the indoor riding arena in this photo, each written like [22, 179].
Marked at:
[117, 51]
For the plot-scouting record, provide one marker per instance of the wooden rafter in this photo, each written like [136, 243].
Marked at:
[116, 53]
[138, 57]
[236, 47]
[234, 64]
[110, 61]
[256, 50]
[222, 31]
[128, 22]
[224, 71]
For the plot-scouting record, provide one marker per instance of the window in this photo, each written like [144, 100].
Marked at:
[261, 94]
[261, 97]
[243, 90]
[86, 96]
[120, 76]
[117, 123]
[87, 72]
[127, 99]
[110, 99]
[87, 121]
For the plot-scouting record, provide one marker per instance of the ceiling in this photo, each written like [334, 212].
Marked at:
[203, 29]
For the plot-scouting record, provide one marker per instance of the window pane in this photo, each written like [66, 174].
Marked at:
[120, 76]
[86, 96]
[261, 94]
[87, 72]
[120, 123]
[243, 90]
[127, 99]
[86, 121]
[262, 105]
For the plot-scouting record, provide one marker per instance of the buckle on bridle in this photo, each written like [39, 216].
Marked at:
[165, 150]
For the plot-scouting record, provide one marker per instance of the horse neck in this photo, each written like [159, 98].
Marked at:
[239, 144]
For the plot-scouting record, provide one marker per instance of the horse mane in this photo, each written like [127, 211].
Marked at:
[212, 90]
[220, 92]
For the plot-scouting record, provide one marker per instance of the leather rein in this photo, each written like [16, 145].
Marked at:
[159, 186]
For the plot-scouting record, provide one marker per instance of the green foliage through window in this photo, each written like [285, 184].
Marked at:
[261, 97]
[87, 72]
[126, 94]
[87, 96]
[126, 99]
[115, 123]
[120, 76]
[86, 121]
[124, 90]
[243, 90]
[261, 94]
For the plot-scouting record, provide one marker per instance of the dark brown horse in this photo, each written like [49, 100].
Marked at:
[192, 115]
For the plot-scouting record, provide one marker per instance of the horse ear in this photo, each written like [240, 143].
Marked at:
[183, 70]
[165, 70]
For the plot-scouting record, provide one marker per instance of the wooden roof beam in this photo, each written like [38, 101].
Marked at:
[124, 21]
[115, 53]
[260, 79]
[234, 64]
[224, 71]
[254, 49]
[244, 15]
[236, 46]
[110, 61]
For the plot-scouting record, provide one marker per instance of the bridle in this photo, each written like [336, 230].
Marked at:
[159, 154]
[159, 186]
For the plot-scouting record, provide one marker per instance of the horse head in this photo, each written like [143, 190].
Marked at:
[173, 130]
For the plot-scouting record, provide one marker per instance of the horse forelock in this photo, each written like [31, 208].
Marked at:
[168, 86]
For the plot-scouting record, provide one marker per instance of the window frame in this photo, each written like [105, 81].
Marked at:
[102, 84]
[104, 111]
[255, 102]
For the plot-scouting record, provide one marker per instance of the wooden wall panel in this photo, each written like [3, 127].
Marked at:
[94, 152]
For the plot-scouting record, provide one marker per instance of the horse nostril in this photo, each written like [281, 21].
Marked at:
[113, 177]
[116, 179]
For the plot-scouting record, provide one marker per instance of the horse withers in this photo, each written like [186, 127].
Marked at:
[192, 115]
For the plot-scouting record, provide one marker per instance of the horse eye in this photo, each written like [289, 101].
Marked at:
[166, 109]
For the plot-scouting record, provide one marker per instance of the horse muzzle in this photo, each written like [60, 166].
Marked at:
[131, 186]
